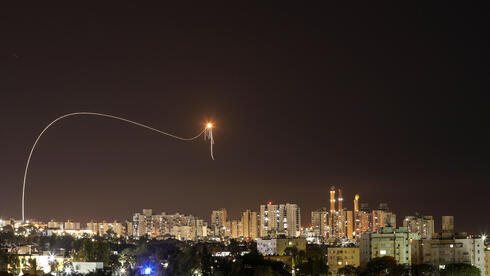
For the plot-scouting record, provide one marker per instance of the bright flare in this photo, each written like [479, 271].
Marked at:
[209, 125]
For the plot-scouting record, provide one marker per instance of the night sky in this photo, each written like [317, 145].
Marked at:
[390, 102]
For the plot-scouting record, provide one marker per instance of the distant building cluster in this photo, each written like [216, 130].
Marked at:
[162, 225]
[353, 237]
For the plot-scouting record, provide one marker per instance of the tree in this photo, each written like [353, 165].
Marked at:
[14, 263]
[4, 260]
[187, 261]
[32, 268]
[313, 266]
[385, 264]
[263, 271]
[94, 251]
[349, 270]
[423, 269]
[460, 269]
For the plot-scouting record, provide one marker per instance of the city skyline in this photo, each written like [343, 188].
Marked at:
[306, 221]
[386, 102]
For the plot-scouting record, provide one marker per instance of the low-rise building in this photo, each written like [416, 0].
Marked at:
[70, 225]
[87, 267]
[339, 257]
[267, 247]
[487, 261]
[423, 225]
[46, 262]
[440, 252]
[283, 243]
[387, 242]
[278, 246]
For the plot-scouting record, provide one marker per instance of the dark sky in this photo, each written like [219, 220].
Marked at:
[390, 102]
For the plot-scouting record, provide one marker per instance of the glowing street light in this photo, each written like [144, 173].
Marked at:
[147, 270]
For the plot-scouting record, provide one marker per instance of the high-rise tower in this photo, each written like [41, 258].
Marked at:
[332, 199]
[340, 200]
[356, 204]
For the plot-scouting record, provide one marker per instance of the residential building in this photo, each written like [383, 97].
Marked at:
[442, 251]
[158, 225]
[339, 257]
[423, 225]
[448, 224]
[55, 224]
[278, 246]
[319, 223]
[267, 247]
[283, 243]
[283, 219]
[487, 262]
[387, 241]
[69, 225]
[249, 222]
[220, 224]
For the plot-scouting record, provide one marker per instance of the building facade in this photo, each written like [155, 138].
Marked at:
[338, 257]
[388, 241]
[282, 219]
[442, 251]
[423, 225]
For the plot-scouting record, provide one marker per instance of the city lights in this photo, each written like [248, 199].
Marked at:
[110, 114]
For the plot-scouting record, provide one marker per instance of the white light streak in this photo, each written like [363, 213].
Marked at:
[207, 131]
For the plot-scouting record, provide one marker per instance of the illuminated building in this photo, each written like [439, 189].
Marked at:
[487, 262]
[356, 204]
[340, 200]
[92, 226]
[277, 246]
[271, 216]
[220, 224]
[183, 232]
[240, 228]
[338, 257]
[267, 247]
[44, 261]
[219, 217]
[234, 229]
[448, 224]
[293, 220]
[388, 241]
[280, 219]
[55, 225]
[69, 225]
[382, 217]
[357, 218]
[442, 251]
[449, 247]
[319, 223]
[249, 224]
[350, 225]
[159, 225]
[332, 199]
[102, 228]
[423, 225]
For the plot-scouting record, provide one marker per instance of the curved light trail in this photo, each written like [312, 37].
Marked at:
[207, 131]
